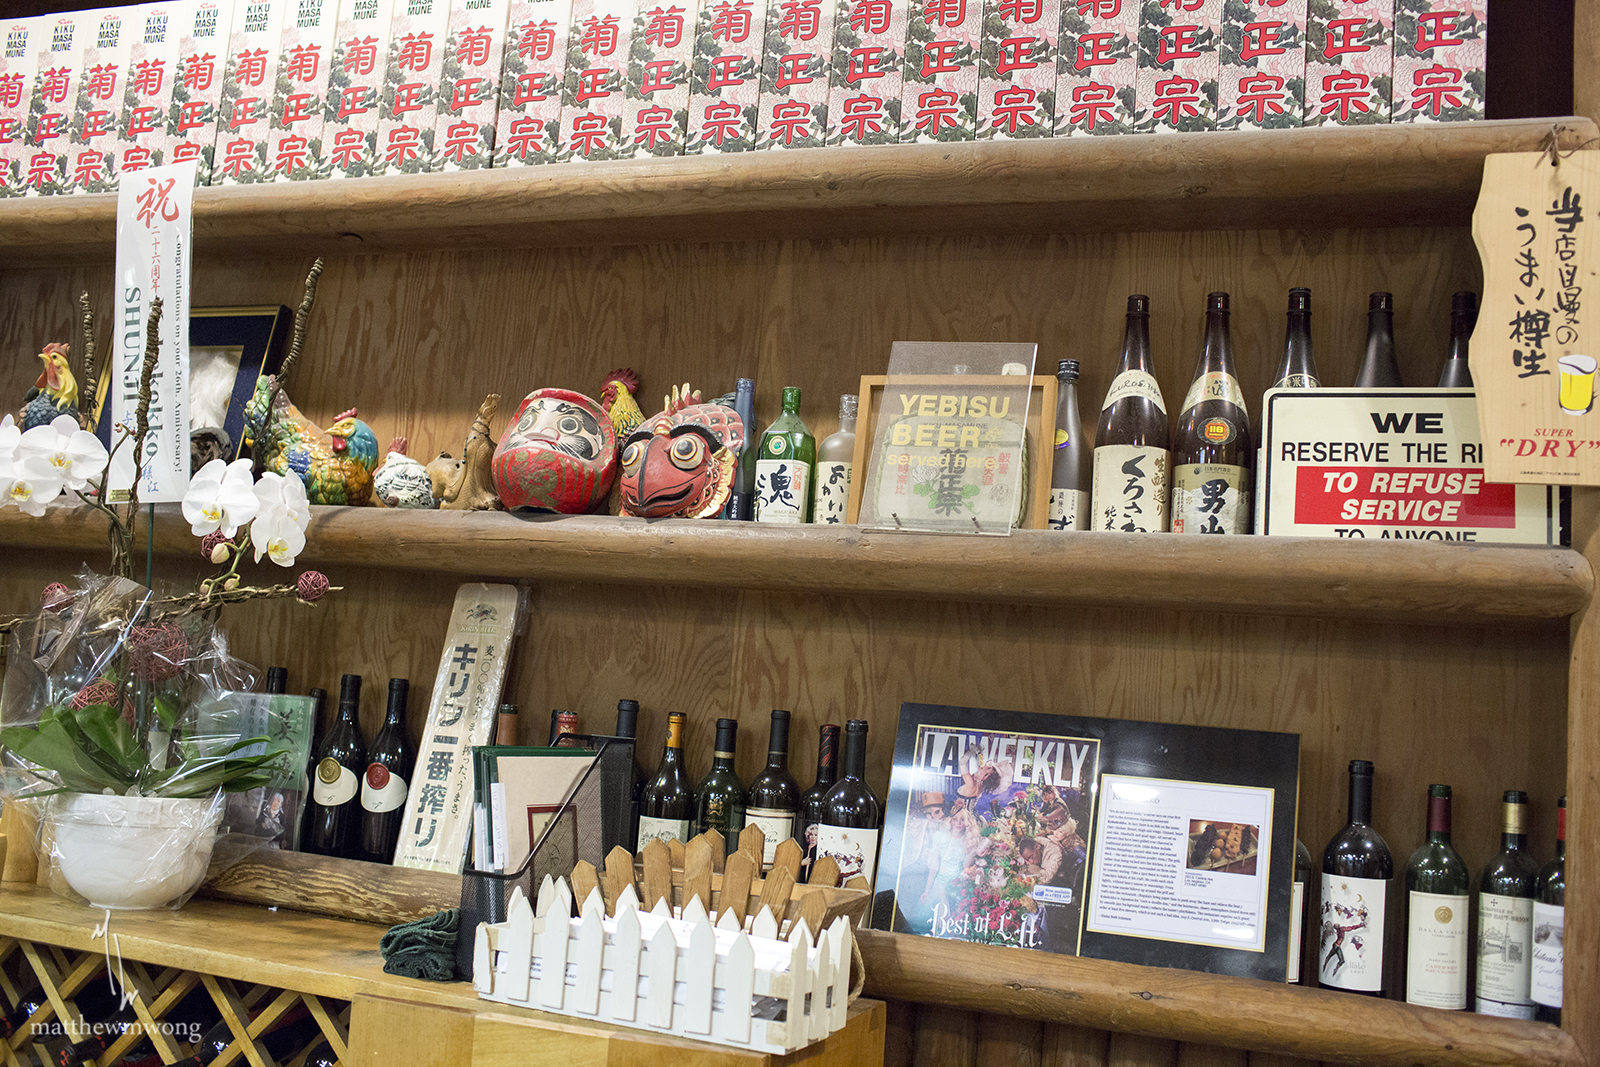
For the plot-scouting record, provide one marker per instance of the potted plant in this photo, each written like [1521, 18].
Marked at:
[115, 712]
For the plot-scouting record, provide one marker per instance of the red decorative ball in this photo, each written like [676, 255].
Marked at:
[102, 691]
[313, 586]
[55, 597]
[156, 651]
[209, 543]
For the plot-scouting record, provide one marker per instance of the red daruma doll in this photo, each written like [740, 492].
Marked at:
[558, 454]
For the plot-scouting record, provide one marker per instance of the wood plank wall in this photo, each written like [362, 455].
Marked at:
[417, 340]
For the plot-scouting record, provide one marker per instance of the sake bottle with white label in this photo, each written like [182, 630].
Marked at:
[1505, 919]
[1130, 445]
[1212, 455]
[1549, 922]
[835, 458]
[1437, 898]
[784, 466]
[1069, 476]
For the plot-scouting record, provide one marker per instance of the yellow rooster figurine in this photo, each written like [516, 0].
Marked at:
[56, 391]
[616, 397]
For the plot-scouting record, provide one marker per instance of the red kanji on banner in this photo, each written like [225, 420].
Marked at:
[588, 133]
[1020, 10]
[653, 126]
[1344, 35]
[461, 141]
[408, 97]
[142, 120]
[1177, 42]
[416, 51]
[1016, 53]
[524, 135]
[360, 55]
[468, 92]
[304, 60]
[148, 76]
[946, 13]
[349, 148]
[136, 158]
[198, 71]
[89, 167]
[800, 19]
[731, 21]
[936, 108]
[246, 111]
[355, 100]
[1344, 92]
[95, 124]
[1183, 5]
[1437, 87]
[52, 124]
[864, 64]
[1434, 29]
[863, 117]
[871, 16]
[191, 116]
[101, 82]
[939, 57]
[1260, 39]
[537, 41]
[297, 108]
[592, 84]
[721, 121]
[405, 145]
[249, 68]
[599, 37]
[790, 120]
[664, 27]
[1176, 99]
[10, 133]
[1100, 9]
[530, 88]
[724, 70]
[239, 157]
[41, 169]
[1091, 104]
[293, 153]
[792, 69]
[53, 84]
[10, 90]
[657, 77]
[182, 153]
[1094, 50]
[473, 46]
[1261, 93]
[1014, 107]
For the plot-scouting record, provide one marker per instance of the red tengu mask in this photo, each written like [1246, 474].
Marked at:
[681, 463]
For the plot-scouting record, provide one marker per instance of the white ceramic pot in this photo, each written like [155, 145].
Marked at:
[133, 852]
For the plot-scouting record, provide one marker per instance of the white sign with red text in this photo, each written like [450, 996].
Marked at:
[154, 238]
[1396, 464]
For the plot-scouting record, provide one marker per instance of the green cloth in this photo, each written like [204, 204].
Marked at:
[423, 949]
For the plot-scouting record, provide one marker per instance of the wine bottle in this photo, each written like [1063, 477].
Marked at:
[666, 806]
[1356, 872]
[1131, 457]
[1438, 885]
[811, 804]
[384, 789]
[835, 461]
[719, 798]
[335, 809]
[505, 725]
[1505, 919]
[1379, 370]
[277, 681]
[851, 814]
[1070, 477]
[1549, 921]
[784, 466]
[1297, 913]
[773, 801]
[628, 726]
[741, 501]
[1457, 373]
[1299, 367]
[562, 722]
[1211, 451]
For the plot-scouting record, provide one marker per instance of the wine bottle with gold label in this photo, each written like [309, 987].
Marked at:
[1130, 446]
[1505, 919]
[719, 798]
[1211, 451]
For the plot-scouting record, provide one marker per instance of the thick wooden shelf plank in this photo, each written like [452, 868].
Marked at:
[1423, 582]
[1202, 1008]
[1361, 176]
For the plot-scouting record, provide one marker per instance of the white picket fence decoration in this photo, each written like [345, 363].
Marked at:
[667, 974]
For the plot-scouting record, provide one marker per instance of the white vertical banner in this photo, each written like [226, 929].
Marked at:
[154, 250]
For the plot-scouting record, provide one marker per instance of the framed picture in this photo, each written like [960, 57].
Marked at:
[230, 348]
[870, 468]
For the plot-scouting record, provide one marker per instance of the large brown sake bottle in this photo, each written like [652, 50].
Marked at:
[1130, 448]
[1211, 450]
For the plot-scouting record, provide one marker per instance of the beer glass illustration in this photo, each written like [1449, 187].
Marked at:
[1577, 383]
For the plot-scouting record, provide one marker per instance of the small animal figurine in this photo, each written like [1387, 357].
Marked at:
[442, 472]
[336, 464]
[681, 461]
[472, 488]
[559, 454]
[616, 396]
[56, 391]
[403, 482]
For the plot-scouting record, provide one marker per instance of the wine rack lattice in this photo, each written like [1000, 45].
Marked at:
[250, 1010]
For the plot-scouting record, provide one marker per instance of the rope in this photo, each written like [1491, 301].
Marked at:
[858, 977]
[1551, 144]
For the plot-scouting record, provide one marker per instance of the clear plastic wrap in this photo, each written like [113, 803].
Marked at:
[117, 729]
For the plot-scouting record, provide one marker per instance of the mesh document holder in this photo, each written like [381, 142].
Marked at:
[594, 818]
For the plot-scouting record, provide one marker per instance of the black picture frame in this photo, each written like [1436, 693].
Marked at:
[260, 333]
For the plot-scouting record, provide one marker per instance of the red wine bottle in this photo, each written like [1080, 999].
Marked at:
[335, 804]
[773, 800]
[1438, 885]
[277, 680]
[1356, 874]
[385, 784]
[1549, 921]
[628, 726]
[719, 798]
[851, 813]
[1505, 919]
[811, 804]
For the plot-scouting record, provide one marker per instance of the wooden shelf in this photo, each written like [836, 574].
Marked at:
[1204, 1008]
[1362, 176]
[1412, 581]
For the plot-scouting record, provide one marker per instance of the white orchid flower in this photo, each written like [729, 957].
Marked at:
[62, 450]
[28, 489]
[279, 530]
[220, 497]
[10, 434]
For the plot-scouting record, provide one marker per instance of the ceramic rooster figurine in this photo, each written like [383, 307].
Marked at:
[56, 391]
[681, 461]
[616, 397]
[336, 465]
